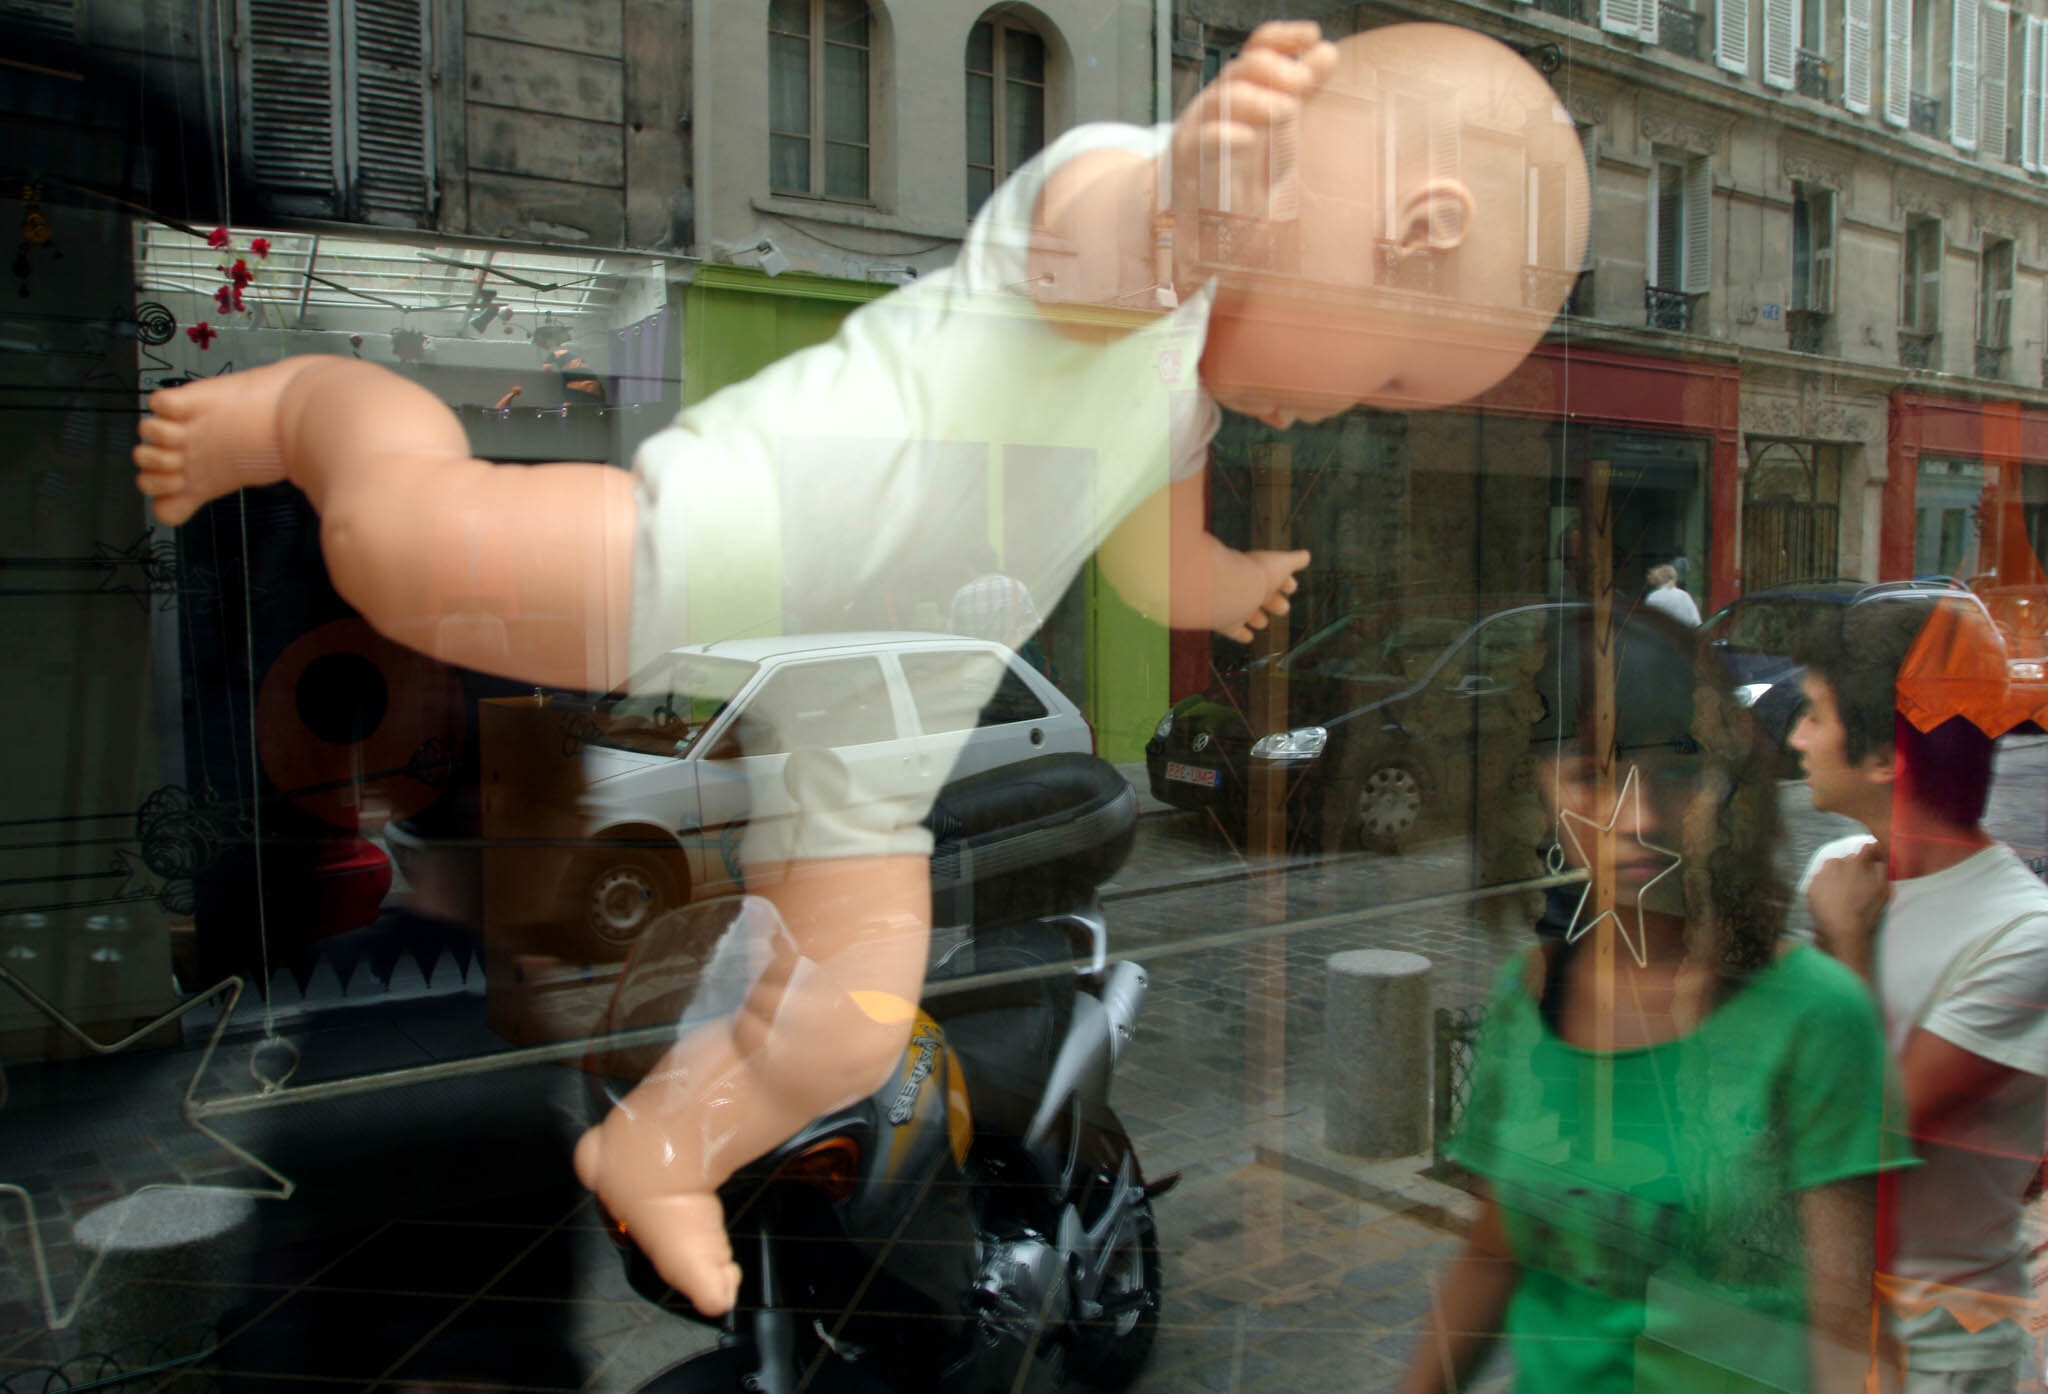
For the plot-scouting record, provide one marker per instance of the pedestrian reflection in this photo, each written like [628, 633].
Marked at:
[1906, 694]
[1676, 1117]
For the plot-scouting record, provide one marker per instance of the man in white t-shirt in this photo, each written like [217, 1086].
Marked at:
[1951, 931]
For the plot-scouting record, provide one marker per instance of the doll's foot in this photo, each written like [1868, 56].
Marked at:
[212, 437]
[681, 1232]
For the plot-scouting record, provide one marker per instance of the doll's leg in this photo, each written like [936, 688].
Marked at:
[388, 468]
[212, 437]
[817, 1032]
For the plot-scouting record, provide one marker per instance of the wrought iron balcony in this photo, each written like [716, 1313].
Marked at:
[1564, 9]
[1917, 350]
[1806, 330]
[1814, 77]
[1926, 115]
[1678, 29]
[1668, 309]
[1991, 360]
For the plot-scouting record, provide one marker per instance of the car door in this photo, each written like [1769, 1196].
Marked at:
[979, 709]
[844, 706]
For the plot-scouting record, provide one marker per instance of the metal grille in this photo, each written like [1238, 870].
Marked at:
[1806, 330]
[1926, 115]
[1789, 540]
[1456, 1033]
[1667, 309]
[1916, 350]
[1813, 78]
[1678, 29]
[1991, 361]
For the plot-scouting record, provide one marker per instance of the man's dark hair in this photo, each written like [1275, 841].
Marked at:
[1858, 652]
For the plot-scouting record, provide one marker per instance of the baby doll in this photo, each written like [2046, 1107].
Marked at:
[1323, 227]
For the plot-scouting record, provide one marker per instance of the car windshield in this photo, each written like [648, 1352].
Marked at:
[666, 708]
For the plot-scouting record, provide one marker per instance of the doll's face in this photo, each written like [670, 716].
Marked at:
[1432, 167]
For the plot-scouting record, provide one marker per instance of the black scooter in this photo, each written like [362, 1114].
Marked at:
[979, 1223]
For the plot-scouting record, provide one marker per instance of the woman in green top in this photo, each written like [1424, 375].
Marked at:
[1677, 1118]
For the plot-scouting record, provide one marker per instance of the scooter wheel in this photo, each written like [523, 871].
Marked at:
[1111, 1355]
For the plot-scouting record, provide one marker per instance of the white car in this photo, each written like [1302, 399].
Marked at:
[674, 767]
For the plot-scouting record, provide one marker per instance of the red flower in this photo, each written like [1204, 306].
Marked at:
[202, 334]
[240, 273]
[224, 296]
[238, 298]
[260, 246]
[217, 238]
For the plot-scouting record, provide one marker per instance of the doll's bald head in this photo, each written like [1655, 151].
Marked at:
[1410, 238]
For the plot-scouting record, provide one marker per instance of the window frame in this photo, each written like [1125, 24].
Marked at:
[1815, 211]
[1920, 285]
[1003, 25]
[818, 138]
[1694, 241]
[1993, 298]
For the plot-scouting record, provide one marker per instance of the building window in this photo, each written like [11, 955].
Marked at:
[1680, 240]
[1994, 307]
[1551, 270]
[1815, 75]
[1813, 267]
[818, 102]
[1926, 106]
[2026, 116]
[337, 119]
[1005, 104]
[1920, 293]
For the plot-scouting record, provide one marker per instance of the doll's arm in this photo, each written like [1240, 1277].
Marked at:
[820, 1028]
[1097, 212]
[524, 571]
[1167, 566]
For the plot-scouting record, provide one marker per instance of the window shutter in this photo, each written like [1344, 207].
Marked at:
[1699, 225]
[1962, 77]
[390, 162]
[1731, 36]
[1930, 281]
[2031, 54]
[291, 92]
[1821, 279]
[1625, 16]
[1898, 61]
[1856, 56]
[1994, 32]
[1781, 30]
[1589, 144]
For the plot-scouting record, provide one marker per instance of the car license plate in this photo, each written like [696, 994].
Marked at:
[1194, 774]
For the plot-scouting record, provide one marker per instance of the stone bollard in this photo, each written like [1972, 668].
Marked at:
[1376, 1043]
[169, 1259]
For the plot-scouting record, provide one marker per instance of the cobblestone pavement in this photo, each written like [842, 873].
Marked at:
[1276, 1279]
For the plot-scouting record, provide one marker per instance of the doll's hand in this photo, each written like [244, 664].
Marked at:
[1221, 142]
[1257, 591]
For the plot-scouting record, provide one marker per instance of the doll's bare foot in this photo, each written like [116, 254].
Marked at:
[681, 1232]
[212, 437]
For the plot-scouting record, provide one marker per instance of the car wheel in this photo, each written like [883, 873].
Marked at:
[621, 893]
[1388, 808]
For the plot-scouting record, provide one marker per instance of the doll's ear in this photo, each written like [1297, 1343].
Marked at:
[1435, 216]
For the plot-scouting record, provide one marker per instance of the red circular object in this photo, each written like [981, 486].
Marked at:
[332, 779]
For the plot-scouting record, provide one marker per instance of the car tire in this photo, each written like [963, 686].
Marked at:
[1389, 802]
[619, 893]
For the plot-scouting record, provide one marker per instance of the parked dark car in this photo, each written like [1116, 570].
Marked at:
[1389, 711]
[1758, 635]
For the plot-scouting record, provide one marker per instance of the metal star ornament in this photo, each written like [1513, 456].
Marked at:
[1571, 820]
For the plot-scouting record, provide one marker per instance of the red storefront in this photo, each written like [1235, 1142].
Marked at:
[1966, 489]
